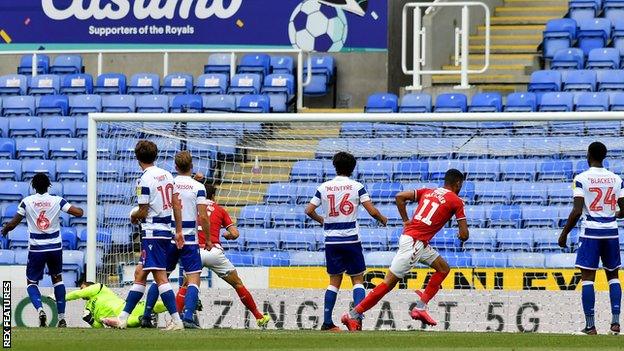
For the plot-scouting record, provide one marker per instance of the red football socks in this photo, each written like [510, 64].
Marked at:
[180, 299]
[433, 286]
[248, 301]
[372, 298]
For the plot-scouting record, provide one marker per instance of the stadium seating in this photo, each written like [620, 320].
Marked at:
[67, 64]
[411, 103]
[579, 80]
[382, 103]
[559, 34]
[177, 83]
[144, 83]
[53, 105]
[451, 102]
[593, 33]
[110, 83]
[44, 84]
[211, 83]
[568, 58]
[486, 102]
[77, 84]
[218, 63]
[13, 84]
[26, 64]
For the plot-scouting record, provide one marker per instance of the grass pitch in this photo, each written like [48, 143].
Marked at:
[52, 339]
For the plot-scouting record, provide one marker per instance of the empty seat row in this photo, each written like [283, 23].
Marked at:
[578, 80]
[600, 58]
[62, 64]
[586, 34]
[588, 9]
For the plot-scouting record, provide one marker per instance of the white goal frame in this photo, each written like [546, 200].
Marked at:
[95, 118]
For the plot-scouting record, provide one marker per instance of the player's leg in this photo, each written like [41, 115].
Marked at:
[55, 268]
[191, 261]
[336, 265]
[587, 259]
[611, 261]
[34, 273]
[161, 248]
[181, 295]
[132, 299]
[432, 258]
[355, 269]
[153, 293]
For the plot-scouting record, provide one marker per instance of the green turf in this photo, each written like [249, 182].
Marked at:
[52, 339]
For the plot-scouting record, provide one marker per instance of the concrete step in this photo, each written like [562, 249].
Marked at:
[526, 29]
[263, 177]
[521, 19]
[503, 88]
[240, 187]
[502, 59]
[268, 167]
[240, 200]
[516, 3]
[553, 11]
[496, 69]
[307, 133]
[281, 155]
[481, 78]
[519, 39]
[503, 49]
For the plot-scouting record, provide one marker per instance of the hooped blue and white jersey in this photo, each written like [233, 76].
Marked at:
[601, 189]
[155, 188]
[191, 193]
[42, 212]
[339, 199]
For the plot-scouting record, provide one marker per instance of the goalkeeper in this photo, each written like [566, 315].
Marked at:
[102, 302]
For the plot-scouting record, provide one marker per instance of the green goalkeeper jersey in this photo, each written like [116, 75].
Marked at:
[102, 302]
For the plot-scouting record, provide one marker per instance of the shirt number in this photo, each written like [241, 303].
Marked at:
[166, 195]
[609, 199]
[432, 209]
[345, 207]
[43, 222]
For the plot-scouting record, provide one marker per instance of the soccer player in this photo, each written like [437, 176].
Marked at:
[192, 195]
[157, 202]
[340, 198]
[102, 302]
[595, 192]
[213, 256]
[45, 247]
[435, 208]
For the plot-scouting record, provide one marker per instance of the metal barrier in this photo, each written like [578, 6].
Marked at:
[462, 36]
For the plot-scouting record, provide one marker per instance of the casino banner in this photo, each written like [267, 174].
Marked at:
[312, 25]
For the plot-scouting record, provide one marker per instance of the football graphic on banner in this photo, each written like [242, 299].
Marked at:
[317, 27]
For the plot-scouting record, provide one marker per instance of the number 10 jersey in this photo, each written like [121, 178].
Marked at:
[155, 188]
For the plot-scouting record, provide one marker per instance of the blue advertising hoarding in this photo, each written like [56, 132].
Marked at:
[321, 25]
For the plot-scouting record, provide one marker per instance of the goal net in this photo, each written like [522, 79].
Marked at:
[510, 276]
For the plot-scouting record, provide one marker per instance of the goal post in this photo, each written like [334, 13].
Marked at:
[519, 170]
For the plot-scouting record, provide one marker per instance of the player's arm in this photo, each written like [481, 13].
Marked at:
[139, 215]
[204, 221]
[69, 208]
[310, 209]
[86, 293]
[374, 212]
[620, 212]
[460, 216]
[177, 217]
[231, 232]
[575, 215]
[401, 200]
[17, 219]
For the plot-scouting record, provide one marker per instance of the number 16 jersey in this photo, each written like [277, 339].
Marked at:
[435, 208]
[600, 188]
[340, 198]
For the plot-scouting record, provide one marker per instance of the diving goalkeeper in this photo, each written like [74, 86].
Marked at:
[102, 302]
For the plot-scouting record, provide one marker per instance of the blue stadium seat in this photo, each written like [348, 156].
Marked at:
[415, 103]
[211, 83]
[305, 192]
[307, 171]
[4, 127]
[282, 65]
[489, 259]
[542, 146]
[69, 237]
[144, 83]
[73, 260]
[20, 127]
[557, 102]
[616, 101]
[593, 33]
[555, 170]
[67, 64]
[115, 192]
[66, 148]
[328, 147]
[521, 102]
[271, 258]
[399, 148]
[280, 193]
[438, 168]
[483, 170]
[592, 102]
[31, 148]
[560, 260]
[110, 83]
[467, 192]
[254, 104]
[451, 103]
[82, 127]
[26, 61]
[21, 257]
[545, 81]
[446, 239]
[255, 63]
[187, 104]
[152, 104]
[476, 216]
[323, 75]
[44, 84]
[437, 147]
[13, 84]
[177, 83]
[52, 105]
[218, 63]
[374, 239]
[375, 171]
[389, 130]
[382, 103]
[458, 259]
[302, 239]
[18, 238]
[390, 211]
[481, 240]
[410, 171]
[614, 11]
[219, 103]
[7, 257]
[262, 239]
[8, 212]
[254, 216]
[240, 258]
[578, 80]
[610, 80]
[84, 104]
[379, 258]
[559, 34]
[486, 102]
[356, 130]
[540, 216]
[77, 84]
[117, 215]
[10, 170]
[118, 104]
[32, 167]
[584, 9]
[75, 192]
[248, 83]
[493, 193]
[568, 58]
[525, 260]
[74, 170]
[546, 240]
[7, 148]
[502, 216]
[303, 258]
[384, 192]
[287, 217]
[603, 58]
[18, 106]
[281, 90]
[529, 193]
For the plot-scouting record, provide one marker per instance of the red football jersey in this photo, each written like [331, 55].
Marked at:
[435, 208]
[219, 218]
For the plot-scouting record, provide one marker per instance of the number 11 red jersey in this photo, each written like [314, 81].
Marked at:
[435, 208]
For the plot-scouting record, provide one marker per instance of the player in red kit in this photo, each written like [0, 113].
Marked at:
[435, 208]
[213, 256]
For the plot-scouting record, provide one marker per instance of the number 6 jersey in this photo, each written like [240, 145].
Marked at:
[42, 213]
[600, 188]
[340, 198]
[435, 208]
